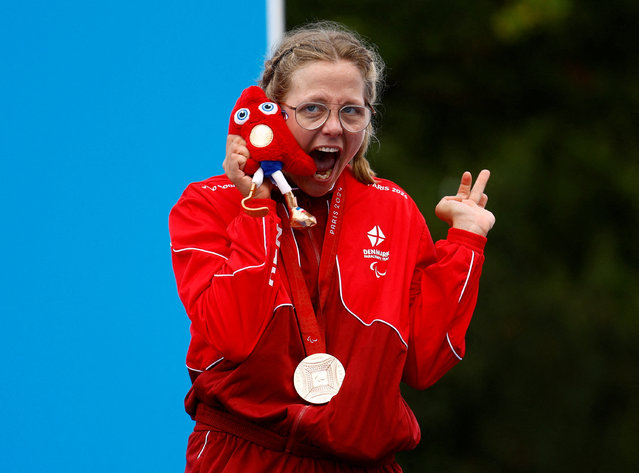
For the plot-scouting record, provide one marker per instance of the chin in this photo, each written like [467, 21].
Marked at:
[314, 188]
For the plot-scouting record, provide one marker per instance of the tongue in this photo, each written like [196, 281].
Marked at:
[325, 165]
[323, 161]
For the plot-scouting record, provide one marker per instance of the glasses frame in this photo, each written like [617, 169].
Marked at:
[330, 109]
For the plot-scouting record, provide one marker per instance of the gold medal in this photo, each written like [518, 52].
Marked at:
[318, 378]
[261, 136]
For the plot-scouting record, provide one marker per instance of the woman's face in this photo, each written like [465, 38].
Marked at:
[335, 84]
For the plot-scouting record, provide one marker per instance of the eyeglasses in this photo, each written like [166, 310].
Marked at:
[312, 115]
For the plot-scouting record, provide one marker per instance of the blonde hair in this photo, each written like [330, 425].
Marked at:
[326, 41]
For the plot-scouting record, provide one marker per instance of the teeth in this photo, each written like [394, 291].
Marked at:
[328, 149]
[324, 175]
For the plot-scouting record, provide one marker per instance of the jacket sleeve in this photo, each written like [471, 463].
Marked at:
[226, 274]
[443, 296]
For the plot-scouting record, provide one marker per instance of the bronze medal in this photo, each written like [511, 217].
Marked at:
[318, 378]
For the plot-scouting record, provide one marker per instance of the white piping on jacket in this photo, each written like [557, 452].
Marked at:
[264, 236]
[199, 249]
[206, 439]
[250, 267]
[237, 271]
[207, 368]
[451, 347]
[341, 295]
[226, 258]
[283, 305]
[470, 268]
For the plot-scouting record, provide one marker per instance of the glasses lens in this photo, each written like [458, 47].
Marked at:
[355, 117]
[311, 115]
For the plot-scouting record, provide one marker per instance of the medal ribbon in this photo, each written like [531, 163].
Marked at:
[312, 336]
[331, 241]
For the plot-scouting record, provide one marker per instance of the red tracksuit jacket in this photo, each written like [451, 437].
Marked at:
[397, 309]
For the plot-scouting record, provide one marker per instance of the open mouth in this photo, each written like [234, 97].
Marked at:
[325, 158]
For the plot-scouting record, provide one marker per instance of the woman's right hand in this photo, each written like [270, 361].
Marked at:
[236, 156]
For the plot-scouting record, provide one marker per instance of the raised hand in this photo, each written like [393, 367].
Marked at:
[237, 154]
[467, 209]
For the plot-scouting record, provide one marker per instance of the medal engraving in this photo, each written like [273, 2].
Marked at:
[318, 378]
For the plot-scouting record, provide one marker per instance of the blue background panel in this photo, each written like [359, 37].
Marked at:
[107, 111]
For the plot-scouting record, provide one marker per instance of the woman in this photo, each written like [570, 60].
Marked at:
[366, 290]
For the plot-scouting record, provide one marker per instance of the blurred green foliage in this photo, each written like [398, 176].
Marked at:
[544, 93]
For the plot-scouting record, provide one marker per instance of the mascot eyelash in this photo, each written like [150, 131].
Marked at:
[273, 149]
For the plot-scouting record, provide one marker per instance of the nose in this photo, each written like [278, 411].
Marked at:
[332, 126]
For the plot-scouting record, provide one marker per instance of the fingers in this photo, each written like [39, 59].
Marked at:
[464, 186]
[236, 156]
[483, 200]
[467, 209]
[473, 193]
[236, 151]
[234, 140]
[477, 192]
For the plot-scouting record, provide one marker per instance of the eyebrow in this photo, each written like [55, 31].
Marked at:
[325, 102]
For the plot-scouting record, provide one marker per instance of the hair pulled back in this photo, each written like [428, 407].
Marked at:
[326, 41]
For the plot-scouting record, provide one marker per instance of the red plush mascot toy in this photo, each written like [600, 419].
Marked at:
[273, 149]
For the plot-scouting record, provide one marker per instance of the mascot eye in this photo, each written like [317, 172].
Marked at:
[241, 116]
[268, 108]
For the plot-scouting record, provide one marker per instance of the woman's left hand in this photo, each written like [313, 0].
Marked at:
[467, 210]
